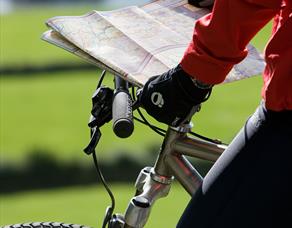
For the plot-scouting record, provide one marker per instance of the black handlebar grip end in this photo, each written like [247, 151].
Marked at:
[123, 128]
[123, 125]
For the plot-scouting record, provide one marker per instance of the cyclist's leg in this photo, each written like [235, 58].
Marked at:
[250, 184]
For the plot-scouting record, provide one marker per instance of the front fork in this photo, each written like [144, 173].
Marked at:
[149, 187]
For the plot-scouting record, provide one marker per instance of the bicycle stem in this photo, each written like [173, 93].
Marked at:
[151, 187]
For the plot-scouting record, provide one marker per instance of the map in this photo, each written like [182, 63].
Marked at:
[137, 43]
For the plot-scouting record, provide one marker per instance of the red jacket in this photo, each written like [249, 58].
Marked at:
[220, 39]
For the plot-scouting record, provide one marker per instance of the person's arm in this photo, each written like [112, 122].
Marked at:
[220, 38]
[219, 42]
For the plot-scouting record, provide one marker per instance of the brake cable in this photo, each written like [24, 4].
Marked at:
[90, 149]
[162, 132]
[110, 209]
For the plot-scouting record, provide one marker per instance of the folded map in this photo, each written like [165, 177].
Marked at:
[137, 43]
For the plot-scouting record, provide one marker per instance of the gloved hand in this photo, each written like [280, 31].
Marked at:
[170, 97]
[201, 3]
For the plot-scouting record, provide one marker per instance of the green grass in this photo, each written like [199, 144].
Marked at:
[228, 108]
[51, 112]
[263, 36]
[20, 36]
[85, 205]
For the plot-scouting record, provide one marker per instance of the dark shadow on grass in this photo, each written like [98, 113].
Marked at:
[43, 171]
[31, 71]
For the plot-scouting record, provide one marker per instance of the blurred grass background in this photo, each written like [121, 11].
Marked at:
[49, 112]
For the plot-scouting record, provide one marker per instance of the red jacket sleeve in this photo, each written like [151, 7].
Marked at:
[220, 38]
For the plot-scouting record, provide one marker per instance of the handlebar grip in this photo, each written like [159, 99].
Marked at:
[123, 125]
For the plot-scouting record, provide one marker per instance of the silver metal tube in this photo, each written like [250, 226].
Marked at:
[199, 149]
[184, 172]
[152, 187]
[166, 150]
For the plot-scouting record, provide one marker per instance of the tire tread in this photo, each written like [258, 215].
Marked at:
[44, 225]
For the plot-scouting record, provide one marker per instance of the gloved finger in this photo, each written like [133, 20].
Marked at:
[206, 3]
[201, 3]
[139, 91]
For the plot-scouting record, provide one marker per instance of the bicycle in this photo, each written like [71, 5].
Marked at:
[152, 182]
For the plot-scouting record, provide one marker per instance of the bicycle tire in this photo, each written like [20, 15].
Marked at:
[44, 225]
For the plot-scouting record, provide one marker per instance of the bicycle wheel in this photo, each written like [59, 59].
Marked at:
[44, 225]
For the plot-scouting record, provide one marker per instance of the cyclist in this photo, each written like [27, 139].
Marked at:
[249, 184]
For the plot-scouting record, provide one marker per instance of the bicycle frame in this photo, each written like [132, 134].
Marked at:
[171, 160]
[154, 183]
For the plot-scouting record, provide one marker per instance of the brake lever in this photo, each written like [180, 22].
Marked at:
[101, 113]
[108, 104]
[95, 136]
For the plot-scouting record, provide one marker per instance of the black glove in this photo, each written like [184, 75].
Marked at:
[170, 97]
[202, 3]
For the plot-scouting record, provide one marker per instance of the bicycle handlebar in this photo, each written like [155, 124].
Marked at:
[122, 112]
